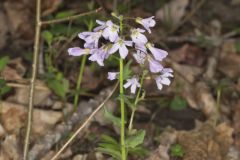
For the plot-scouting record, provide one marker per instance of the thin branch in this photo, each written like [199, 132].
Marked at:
[60, 20]
[32, 82]
[84, 124]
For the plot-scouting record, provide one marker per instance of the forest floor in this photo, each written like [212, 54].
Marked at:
[196, 118]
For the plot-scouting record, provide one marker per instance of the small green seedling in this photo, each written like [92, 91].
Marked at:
[176, 151]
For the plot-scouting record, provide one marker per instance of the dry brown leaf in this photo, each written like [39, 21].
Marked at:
[188, 54]
[10, 147]
[2, 131]
[206, 142]
[167, 138]
[14, 116]
[204, 99]
[19, 16]
[173, 11]
[236, 123]
[190, 73]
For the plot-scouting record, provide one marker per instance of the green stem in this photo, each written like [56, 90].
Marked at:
[81, 70]
[136, 102]
[122, 110]
[123, 149]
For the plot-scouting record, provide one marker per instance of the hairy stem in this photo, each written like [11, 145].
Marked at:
[81, 70]
[32, 83]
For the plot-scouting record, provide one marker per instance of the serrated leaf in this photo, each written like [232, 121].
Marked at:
[48, 37]
[135, 139]
[108, 139]
[127, 101]
[3, 62]
[110, 151]
[178, 103]
[59, 87]
[108, 115]
[139, 151]
[126, 70]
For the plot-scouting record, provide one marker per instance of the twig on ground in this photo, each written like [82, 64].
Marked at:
[32, 83]
[62, 130]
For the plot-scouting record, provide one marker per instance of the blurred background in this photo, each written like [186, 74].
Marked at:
[196, 118]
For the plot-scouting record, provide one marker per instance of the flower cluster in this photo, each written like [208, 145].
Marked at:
[116, 43]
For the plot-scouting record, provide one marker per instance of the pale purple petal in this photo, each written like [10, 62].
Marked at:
[147, 23]
[83, 35]
[138, 37]
[113, 36]
[157, 53]
[123, 51]
[165, 81]
[159, 85]
[98, 55]
[77, 51]
[155, 66]
[114, 48]
[100, 22]
[140, 30]
[141, 47]
[126, 85]
[112, 75]
[133, 89]
[128, 43]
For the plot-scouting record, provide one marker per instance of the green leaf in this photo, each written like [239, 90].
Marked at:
[48, 37]
[138, 151]
[108, 139]
[135, 139]
[127, 100]
[115, 154]
[126, 70]
[59, 87]
[3, 62]
[178, 103]
[176, 150]
[4, 89]
[108, 115]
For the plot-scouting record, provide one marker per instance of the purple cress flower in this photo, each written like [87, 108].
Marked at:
[111, 31]
[146, 22]
[133, 82]
[99, 55]
[163, 79]
[120, 45]
[157, 53]
[138, 37]
[112, 75]
[140, 57]
[91, 38]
